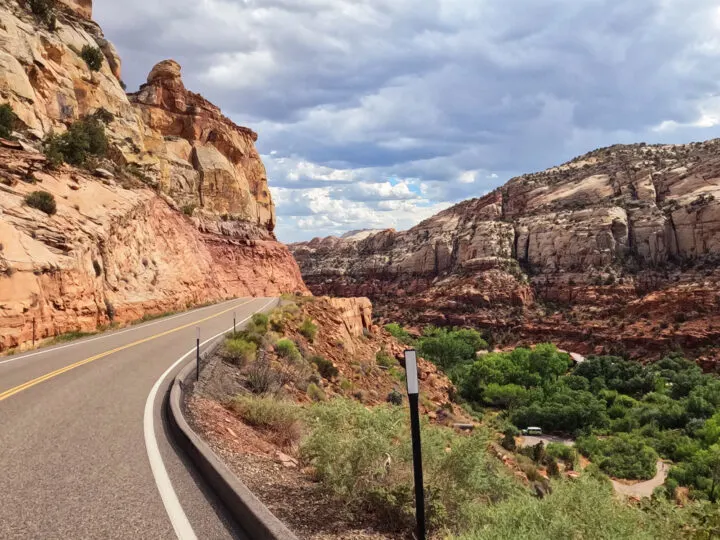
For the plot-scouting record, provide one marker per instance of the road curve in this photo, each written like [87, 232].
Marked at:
[77, 457]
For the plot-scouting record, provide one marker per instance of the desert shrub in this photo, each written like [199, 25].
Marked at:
[45, 12]
[287, 349]
[315, 393]
[395, 397]
[508, 440]
[261, 378]
[583, 508]
[239, 351]
[260, 321]
[384, 359]
[43, 201]
[566, 454]
[399, 333]
[189, 209]
[364, 456]
[325, 367]
[309, 329]
[93, 57]
[281, 418]
[84, 138]
[7, 120]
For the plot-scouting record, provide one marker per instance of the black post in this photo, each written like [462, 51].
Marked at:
[234, 331]
[198, 355]
[33, 331]
[413, 394]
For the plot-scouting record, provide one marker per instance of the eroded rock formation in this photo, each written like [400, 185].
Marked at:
[616, 251]
[119, 245]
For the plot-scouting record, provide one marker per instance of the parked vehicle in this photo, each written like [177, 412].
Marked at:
[532, 431]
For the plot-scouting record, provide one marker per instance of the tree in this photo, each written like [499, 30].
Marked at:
[7, 120]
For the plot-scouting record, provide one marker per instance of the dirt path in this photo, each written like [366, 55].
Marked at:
[644, 489]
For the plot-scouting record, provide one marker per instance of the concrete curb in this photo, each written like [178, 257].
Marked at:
[251, 514]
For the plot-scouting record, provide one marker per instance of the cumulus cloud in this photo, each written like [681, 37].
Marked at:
[396, 102]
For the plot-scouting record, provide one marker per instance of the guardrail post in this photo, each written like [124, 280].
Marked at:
[198, 354]
[34, 326]
[413, 392]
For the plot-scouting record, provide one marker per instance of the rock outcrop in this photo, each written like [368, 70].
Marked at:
[615, 251]
[119, 245]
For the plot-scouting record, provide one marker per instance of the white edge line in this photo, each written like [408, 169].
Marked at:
[113, 334]
[178, 518]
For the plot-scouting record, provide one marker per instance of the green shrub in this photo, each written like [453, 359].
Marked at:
[43, 201]
[93, 57]
[583, 508]
[621, 456]
[286, 348]
[45, 12]
[566, 454]
[239, 351]
[315, 393]
[325, 367]
[189, 209]
[281, 418]
[395, 397]
[260, 322]
[309, 329]
[382, 358]
[364, 456]
[399, 333]
[449, 348]
[508, 441]
[7, 120]
[84, 138]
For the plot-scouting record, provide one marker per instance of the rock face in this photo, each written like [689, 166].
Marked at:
[118, 246]
[205, 159]
[615, 251]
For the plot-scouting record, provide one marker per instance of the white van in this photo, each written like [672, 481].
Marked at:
[532, 431]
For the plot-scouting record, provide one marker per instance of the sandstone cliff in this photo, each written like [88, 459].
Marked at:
[615, 251]
[118, 246]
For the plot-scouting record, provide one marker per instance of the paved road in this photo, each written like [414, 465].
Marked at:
[84, 448]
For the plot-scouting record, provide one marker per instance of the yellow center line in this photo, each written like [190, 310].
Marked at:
[12, 391]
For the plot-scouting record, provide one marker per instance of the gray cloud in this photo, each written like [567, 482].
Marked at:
[370, 91]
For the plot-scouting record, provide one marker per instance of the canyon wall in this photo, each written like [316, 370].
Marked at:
[616, 251]
[179, 212]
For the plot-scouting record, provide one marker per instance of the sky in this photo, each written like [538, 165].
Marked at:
[380, 113]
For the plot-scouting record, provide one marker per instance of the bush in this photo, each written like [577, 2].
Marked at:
[259, 323]
[239, 351]
[325, 367]
[621, 456]
[395, 397]
[583, 508]
[281, 418]
[83, 138]
[364, 456]
[309, 329]
[287, 349]
[189, 209]
[45, 12]
[449, 348]
[7, 120]
[384, 359]
[43, 201]
[508, 441]
[567, 454]
[315, 393]
[262, 378]
[399, 333]
[93, 57]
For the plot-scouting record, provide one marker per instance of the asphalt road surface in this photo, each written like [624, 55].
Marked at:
[84, 444]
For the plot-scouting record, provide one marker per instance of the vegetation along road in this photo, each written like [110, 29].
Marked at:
[85, 444]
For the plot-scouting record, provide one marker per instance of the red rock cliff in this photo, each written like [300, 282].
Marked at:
[616, 251]
[119, 246]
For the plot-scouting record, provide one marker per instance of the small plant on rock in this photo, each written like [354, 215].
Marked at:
[45, 12]
[286, 348]
[315, 393]
[239, 351]
[7, 120]
[43, 201]
[93, 57]
[395, 397]
[84, 138]
[309, 329]
[384, 359]
[325, 367]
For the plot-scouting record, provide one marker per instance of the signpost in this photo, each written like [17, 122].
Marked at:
[198, 353]
[413, 392]
[234, 318]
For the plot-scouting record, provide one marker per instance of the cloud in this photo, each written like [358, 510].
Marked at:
[381, 103]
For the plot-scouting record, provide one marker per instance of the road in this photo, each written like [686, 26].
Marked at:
[84, 444]
[646, 488]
